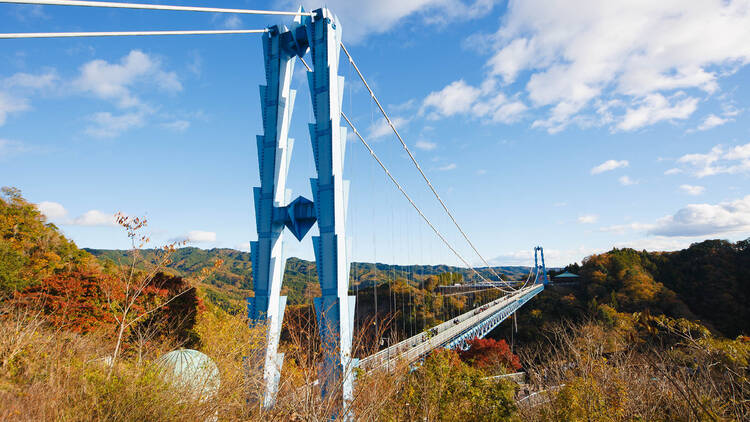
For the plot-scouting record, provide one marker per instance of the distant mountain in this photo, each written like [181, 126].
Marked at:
[234, 277]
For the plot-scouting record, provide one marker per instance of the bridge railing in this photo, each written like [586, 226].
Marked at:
[441, 335]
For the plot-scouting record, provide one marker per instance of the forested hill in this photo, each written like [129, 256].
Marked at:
[234, 277]
[708, 282]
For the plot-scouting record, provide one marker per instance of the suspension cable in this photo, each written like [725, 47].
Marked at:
[117, 5]
[414, 205]
[126, 33]
[414, 160]
[406, 195]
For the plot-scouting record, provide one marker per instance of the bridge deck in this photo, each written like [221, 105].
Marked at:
[452, 333]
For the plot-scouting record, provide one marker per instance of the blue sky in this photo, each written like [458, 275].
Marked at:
[618, 123]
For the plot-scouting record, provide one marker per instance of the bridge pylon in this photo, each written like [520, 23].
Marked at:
[321, 35]
[539, 252]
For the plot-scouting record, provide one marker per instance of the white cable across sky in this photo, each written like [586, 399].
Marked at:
[408, 198]
[117, 5]
[126, 33]
[414, 160]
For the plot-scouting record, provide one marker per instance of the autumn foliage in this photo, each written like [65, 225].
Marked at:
[490, 354]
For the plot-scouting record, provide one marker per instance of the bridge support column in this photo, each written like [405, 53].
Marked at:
[335, 309]
[271, 199]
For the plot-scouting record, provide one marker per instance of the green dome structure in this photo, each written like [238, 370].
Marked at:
[191, 371]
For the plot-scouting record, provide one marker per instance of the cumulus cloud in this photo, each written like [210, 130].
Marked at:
[115, 81]
[706, 219]
[381, 128]
[692, 189]
[10, 104]
[617, 63]
[363, 17]
[624, 228]
[655, 108]
[16, 89]
[711, 121]
[609, 165]
[461, 98]
[52, 210]
[107, 125]
[199, 236]
[719, 160]
[588, 219]
[94, 218]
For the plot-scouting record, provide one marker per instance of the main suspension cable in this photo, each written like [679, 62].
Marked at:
[406, 195]
[414, 205]
[117, 5]
[126, 33]
[414, 160]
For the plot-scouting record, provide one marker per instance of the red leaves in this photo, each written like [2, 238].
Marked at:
[72, 300]
[489, 353]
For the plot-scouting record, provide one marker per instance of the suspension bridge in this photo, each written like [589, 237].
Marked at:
[317, 34]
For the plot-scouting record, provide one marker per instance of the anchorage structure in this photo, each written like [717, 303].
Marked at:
[321, 35]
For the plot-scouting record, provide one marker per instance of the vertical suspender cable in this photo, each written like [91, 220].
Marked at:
[414, 160]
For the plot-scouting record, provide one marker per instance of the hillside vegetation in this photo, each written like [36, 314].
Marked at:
[643, 336]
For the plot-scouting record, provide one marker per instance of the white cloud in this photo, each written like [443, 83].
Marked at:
[425, 145]
[381, 127]
[52, 210]
[115, 81]
[457, 97]
[623, 228]
[655, 108]
[177, 125]
[692, 190]
[364, 17]
[244, 246]
[484, 102]
[232, 22]
[107, 125]
[16, 89]
[447, 167]
[45, 80]
[627, 181]
[609, 165]
[672, 171]
[656, 243]
[711, 121]
[94, 218]
[718, 161]
[198, 236]
[10, 104]
[706, 219]
[588, 219]
[631, 56]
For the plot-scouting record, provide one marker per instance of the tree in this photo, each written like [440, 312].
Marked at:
[490, 355]
[125, 291]
[445, 388]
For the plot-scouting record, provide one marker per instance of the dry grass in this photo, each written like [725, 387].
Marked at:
[51, 374]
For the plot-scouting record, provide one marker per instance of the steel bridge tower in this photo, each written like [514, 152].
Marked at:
[321, 35]
[539, 251]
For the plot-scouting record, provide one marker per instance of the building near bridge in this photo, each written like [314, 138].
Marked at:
[566, 277]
